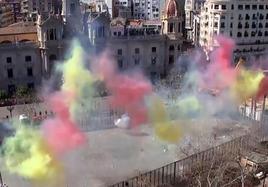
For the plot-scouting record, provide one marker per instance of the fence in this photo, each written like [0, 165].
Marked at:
[177, 171]
[99, 116]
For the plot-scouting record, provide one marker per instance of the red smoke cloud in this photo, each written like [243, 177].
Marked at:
[128, 91]
[60, 131]
[263, 88]
[219, 73]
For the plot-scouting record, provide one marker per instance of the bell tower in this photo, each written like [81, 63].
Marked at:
[70, 8]
[172, 19]
[72, 17]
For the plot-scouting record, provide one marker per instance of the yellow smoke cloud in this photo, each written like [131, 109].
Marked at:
[246, 84]
[164, 129]
[77, 79]
[27, 155]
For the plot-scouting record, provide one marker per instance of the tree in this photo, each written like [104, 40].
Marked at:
[22, 92]
[3, 94]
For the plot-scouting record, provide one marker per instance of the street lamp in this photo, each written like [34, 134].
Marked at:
[1, 180]
[10, 108]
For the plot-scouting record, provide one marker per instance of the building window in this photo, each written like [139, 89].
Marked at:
[30, 72]
[137, 51]
[222, 25]
[223, 7]
[119, 51]
[239, 25]
[266, 33]
[171, 27]
[259, 33]
[266, 6]
[246, 25]
[215, 24]
[72, 8]
[260, 25]
[28, 58]
[231, 25]
[232, 7]
[261, 7]
[171, 48]
[30, 86]
[154, 49]
[254, 17]
[246, 34]
[216, 7]
[266, 25]
[9, 60]
[10, 73]
[253, 25]
[247, 7]
[136, 61]
[179, 47]
[120, 64]
[266, 16]
[254, 7]
[153, 60]
[231, 34]
[261, 17]
[253, 33]
[247, 17]
[239, 34]
[240, 7]
[171, 59]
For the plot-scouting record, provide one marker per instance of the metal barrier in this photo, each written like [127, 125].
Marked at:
[177, 171]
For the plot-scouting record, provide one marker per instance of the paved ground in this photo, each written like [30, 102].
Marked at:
[115, 154]
[110, 156]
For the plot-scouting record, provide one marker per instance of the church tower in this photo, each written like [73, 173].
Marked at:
[172, 19]
[72, 17]
[172, 28]
[70, 8]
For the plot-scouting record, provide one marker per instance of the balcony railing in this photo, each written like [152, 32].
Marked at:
[18, 45]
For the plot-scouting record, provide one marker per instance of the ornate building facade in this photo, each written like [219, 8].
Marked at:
[34, 48]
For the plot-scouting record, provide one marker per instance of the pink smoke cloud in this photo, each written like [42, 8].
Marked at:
[128, 91]
[219, 73]
[60, 132]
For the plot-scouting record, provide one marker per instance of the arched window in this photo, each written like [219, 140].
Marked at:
[240, 25]
[51, 34]
[171, 48]
[52, 59]
[6, 42]
[25, 40]
[246, 25]
[179, 47]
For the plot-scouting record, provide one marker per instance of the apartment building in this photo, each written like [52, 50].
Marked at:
[6, 14]
[244, 21]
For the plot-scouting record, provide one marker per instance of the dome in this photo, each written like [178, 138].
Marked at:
[172, 8]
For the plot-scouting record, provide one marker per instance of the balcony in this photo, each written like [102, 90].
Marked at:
[19, 45]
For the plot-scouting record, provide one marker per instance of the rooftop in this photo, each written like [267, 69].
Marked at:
[18, 29]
